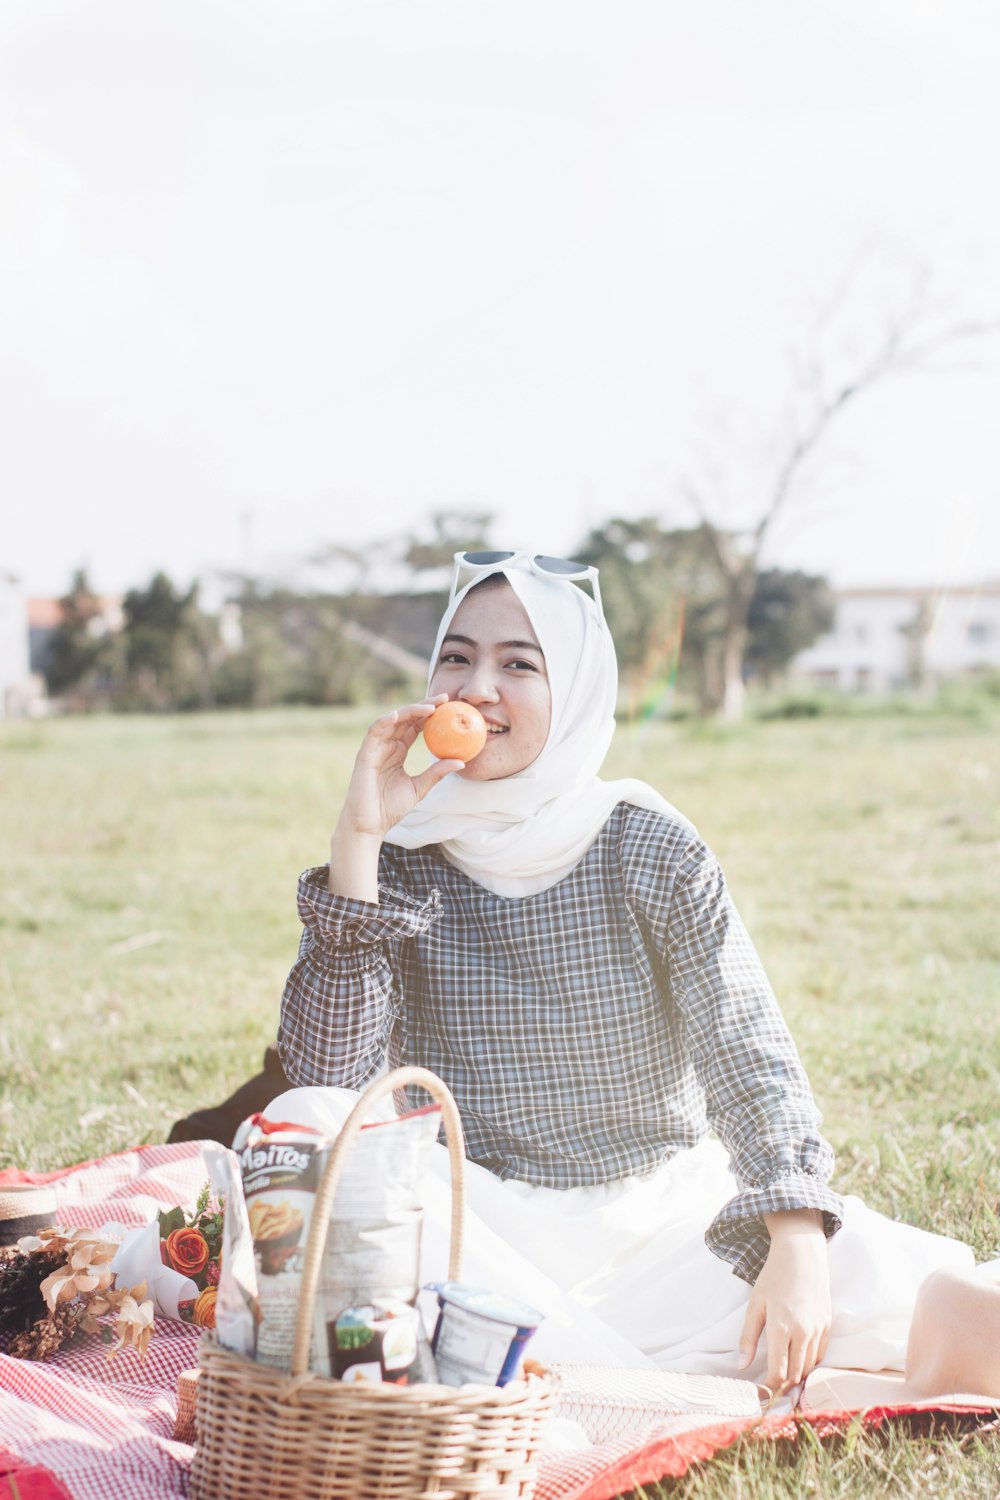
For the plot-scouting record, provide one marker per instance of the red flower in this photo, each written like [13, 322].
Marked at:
[187, 1251]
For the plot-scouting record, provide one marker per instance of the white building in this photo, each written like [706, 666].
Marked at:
[17, 689]
[891, 638]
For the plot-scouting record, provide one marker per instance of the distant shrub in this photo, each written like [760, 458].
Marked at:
[794, 708]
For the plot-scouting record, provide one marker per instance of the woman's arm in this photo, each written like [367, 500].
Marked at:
[340, 1000]
[757, 1097]
[760, 1103]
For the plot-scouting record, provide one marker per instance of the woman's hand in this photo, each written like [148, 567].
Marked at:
[379, 794]
[380, 791]
[790, 1302]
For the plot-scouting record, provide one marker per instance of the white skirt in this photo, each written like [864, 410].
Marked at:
[623, 1275]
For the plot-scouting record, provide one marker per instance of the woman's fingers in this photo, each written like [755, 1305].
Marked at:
[797, 1358]
[813, 1357]
[792, 1355]
[753, 1327]
[824, 1340]
[401, 726]
[777, 1360]
[792, 1352]
[817, 1350]
[411, 714]
[435, 773]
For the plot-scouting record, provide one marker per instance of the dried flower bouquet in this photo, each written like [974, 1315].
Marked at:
[61, 1282]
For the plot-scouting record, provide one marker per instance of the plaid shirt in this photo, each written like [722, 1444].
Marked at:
[588, 1032]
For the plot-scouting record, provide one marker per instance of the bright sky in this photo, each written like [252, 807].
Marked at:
[280, 274]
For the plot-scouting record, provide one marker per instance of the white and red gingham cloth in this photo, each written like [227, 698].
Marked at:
[81, 1427]
[104, 1428]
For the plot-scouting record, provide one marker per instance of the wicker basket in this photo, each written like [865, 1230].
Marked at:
[264, 1434]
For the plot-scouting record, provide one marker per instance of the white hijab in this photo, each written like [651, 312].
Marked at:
[523, 833]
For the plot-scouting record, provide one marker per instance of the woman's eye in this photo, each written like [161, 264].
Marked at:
[523, 666]
[452, 658]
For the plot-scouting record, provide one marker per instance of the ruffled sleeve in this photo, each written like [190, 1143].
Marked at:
[341, 1000]
[757, 1096]
[739, 1233]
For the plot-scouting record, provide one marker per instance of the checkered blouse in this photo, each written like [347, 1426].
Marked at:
[587, 1033]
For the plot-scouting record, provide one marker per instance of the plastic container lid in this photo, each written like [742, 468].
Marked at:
[496, 1305]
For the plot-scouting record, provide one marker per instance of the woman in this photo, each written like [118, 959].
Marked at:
[563, 952]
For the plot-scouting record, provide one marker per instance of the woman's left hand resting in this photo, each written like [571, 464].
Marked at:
[790, 1302]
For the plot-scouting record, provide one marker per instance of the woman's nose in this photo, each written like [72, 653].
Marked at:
[479, 686]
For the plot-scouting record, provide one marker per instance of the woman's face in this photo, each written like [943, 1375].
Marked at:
[491, 658]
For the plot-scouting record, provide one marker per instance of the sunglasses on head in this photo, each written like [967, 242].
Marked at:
[471, 563]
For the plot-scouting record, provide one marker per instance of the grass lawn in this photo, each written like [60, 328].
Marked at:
[147, 921]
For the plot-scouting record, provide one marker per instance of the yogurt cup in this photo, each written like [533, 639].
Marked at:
[480, 1335]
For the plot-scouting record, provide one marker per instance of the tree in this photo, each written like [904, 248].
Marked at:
[302, 648]
[788, 611]
[161, 635]
[851, 350]
[666, 608]
[80, 650]
[653, 582]
[916, 633]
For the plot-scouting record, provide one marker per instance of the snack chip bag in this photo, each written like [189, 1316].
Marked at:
[373, 1245]
[236, 1303]
[372, 1248]
[281, 1166]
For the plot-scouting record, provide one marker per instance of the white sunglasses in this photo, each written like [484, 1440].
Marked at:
[472, 563]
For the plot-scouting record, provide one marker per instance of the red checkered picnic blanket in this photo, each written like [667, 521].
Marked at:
[79, 1427]
[105, 1428]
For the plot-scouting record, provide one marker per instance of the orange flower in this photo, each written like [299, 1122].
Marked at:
[187, 1251]
[204, 1308]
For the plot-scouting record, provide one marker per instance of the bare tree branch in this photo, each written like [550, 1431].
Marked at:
[912, 336]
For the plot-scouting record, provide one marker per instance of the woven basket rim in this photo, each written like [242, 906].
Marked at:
[281, 1385]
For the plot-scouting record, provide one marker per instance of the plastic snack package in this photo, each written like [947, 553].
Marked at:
[281, 1165]
[373, 1245]
[236, 1303]
[372, 1248]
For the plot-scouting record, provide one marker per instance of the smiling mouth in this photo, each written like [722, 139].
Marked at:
[493, 729]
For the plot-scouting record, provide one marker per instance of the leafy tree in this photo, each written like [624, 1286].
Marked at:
[297, 648]
[161, 631]
[634, 560]
[788, 611]
[668, 610]
[660, 595]
[80, 652]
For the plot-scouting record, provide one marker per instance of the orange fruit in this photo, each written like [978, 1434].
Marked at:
[455, 731]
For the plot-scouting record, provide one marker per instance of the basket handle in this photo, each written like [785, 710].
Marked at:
[334, 1170]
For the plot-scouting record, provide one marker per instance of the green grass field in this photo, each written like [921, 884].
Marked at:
[147, 921]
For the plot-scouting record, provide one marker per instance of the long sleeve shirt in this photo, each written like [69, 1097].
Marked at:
[588, 1032]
